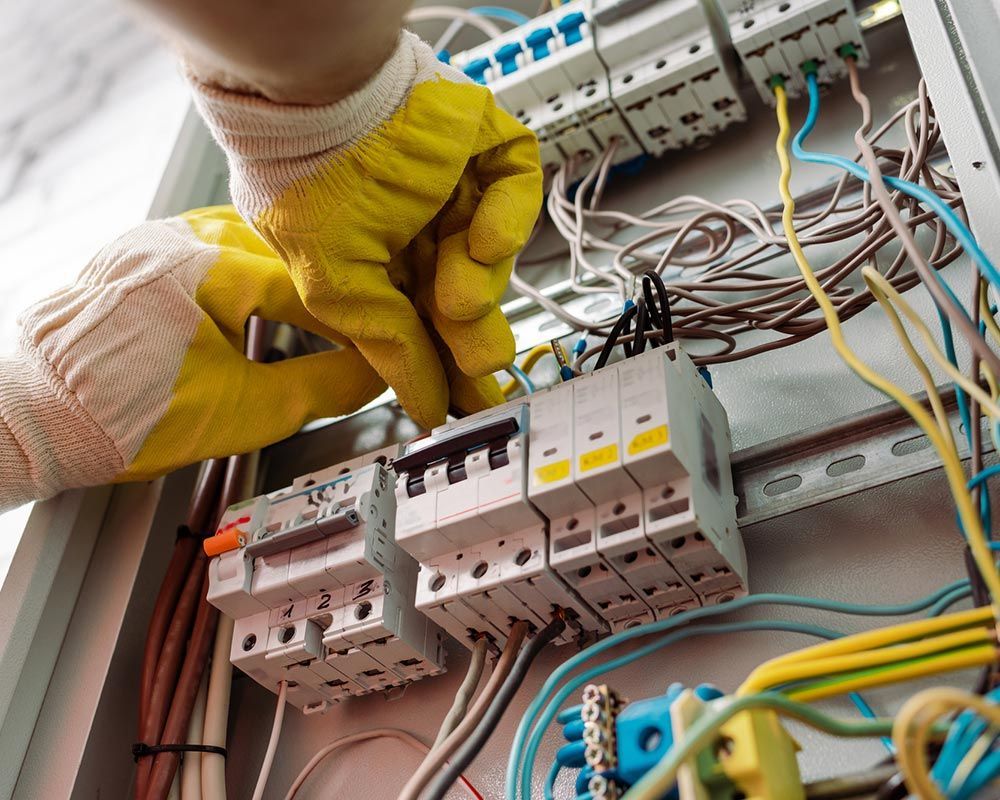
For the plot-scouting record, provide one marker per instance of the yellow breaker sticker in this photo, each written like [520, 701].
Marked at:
[598, 458]
[647, 440]
[550, 473]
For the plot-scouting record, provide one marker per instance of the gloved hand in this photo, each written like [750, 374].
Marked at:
[138, 367]
[408, 198]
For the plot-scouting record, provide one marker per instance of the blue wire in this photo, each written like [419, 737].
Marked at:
[947, 601]
[531, 752]
[499, 12]
[522, 378]
[920, 193]
[550, 780]
[952, 222]
[984, 476]
[661, 626]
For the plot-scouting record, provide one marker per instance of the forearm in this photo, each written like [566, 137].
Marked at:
[47, 441]
[303, 52]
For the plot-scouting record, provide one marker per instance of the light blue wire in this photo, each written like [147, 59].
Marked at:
[591, 674]
[984, 476]
[522, 378]
[957, 594]
[951, 220]
[920, 193]
[947, 601]
[499, 12]
[661, 626]
[550, 780]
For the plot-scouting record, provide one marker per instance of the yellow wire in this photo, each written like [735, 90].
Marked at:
[888, 297]
[527, 365]
[978, 656]
[911, 731]
[925, 375]
[768, 676]
[952, 465]
[987, 317]
[886, 637]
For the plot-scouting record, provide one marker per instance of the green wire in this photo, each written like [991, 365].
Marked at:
[882, 668]
[657, 782]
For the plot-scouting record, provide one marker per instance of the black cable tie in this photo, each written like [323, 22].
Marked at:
[141, 749]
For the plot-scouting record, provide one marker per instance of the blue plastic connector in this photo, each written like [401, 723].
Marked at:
[706, 375]
[538, 40]
[644, 734]
[477, 70]
[444, 56]
[569, 26]
[506, 57]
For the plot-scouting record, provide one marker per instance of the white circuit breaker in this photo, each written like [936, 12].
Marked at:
[776, 37]
[464, 513]
[651, 75]
[610, 495]
[608, 499]
[320, 593]
[631, 463]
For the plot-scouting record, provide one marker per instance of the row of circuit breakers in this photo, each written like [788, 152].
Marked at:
[656, 75]
[609, 497]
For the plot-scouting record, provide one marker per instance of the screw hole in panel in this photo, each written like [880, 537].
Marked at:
[845, 466]
[789, 483]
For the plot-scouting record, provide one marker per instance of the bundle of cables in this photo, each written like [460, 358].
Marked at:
[724, 262]
[184, 705]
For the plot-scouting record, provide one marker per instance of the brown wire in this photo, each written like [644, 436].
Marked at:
[172, 696]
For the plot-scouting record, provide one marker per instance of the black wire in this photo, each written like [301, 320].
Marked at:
[616, 331]
[470, 748]
[642, 321]
[659, 313]
[893, 789]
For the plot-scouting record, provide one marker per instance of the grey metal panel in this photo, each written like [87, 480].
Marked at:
[955, 42]
[36, 606]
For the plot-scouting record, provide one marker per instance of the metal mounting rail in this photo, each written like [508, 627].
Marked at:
[837, 459]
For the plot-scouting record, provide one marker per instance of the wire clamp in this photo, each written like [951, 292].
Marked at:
[141, 749]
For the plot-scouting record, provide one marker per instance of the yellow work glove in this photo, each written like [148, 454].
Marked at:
[138, 367]
[409, 198]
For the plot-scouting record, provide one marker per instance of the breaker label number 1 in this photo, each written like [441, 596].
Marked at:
[550, 473]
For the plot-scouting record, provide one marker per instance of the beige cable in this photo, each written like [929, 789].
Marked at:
[436, 759]
[463, 696]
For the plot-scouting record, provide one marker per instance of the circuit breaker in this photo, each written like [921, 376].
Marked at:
[483, 548]
[610, 495]
[776, 37]
[320, 593]
[650, 76]
[637, 483]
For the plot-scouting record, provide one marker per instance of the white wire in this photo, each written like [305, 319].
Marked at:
[272, 743]
[191, 764]
[220, 680]
[464, 694]
[336, 744]
[426, 13]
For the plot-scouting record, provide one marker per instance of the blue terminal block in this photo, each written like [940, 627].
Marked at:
[477, 69]
[644, 732]
[538, 40]
[569, 26]
[506, 57]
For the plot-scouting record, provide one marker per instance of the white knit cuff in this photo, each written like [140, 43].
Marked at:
[47, 441]
[252, 127]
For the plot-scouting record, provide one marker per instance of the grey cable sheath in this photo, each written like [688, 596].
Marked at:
[464, 694]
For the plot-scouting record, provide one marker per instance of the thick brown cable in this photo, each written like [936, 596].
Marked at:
[202, 502]
[172, 695]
